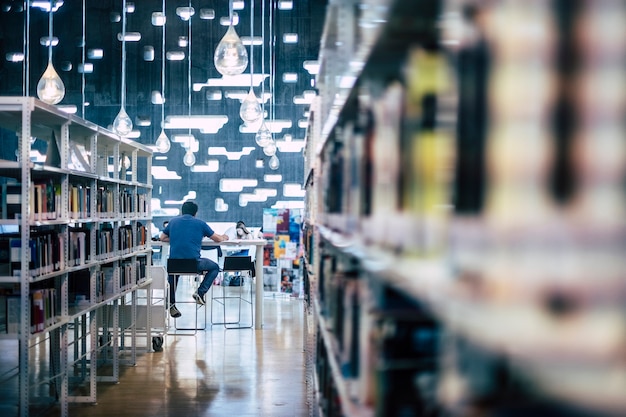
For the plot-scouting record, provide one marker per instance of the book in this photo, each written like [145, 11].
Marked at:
[13, 200]
[108, 281]
[74, 211]
[13, 314]
[53, 157]
[37, 316]
[79, 248]
[16, 256]
[5, 257]
[50, 306]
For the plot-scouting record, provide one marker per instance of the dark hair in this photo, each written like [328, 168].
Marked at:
[189, 207]
[242, 225]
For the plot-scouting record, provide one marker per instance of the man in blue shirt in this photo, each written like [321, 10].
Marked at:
[185, 234]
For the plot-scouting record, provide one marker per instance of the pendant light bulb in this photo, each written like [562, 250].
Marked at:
[189, 159]
[124, 162]
[50, 88]
[122, 125]
[250, 110]
[270, 148]
[231, 57]
[263, 136]
[274, 163]
[163, 143]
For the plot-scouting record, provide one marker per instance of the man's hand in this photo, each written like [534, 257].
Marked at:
[218, 238]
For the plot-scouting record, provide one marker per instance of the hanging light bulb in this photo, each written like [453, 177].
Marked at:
[263, 136]
[270, 148]
[190, 158]
[250, 110]
[274, 163]
[231, 57]
[125, 162]
[163, 143]
[50, 88]
[123, 125]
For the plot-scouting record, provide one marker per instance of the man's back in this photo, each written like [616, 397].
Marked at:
[185, 235]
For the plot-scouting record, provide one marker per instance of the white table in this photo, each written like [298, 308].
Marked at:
[232, 244]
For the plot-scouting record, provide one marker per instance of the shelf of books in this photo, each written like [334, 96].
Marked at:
[75, 210]
[465, 214]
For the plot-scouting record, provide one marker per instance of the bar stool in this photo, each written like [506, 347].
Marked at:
[244, 266]
[187, 267]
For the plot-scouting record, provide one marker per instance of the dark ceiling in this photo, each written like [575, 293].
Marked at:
[143, 77]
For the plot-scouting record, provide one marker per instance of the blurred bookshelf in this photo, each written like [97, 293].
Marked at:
[465, 213]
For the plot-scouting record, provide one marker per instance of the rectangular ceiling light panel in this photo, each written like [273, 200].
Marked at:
[236, 185]
[293, 190]
[233, 155]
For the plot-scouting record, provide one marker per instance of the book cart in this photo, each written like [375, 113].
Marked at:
[75, 215]
[465, 211]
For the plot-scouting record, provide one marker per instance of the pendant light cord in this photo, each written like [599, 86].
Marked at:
[189, 77]
[50, 32]
[263, 57]
[251, 43]
[272, 60]
[26, 37]
[163, 68]
[82, 78]
[123, 54]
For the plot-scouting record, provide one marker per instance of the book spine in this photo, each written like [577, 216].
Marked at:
[13, 314]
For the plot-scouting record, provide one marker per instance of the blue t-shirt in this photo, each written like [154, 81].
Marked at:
[186, 233]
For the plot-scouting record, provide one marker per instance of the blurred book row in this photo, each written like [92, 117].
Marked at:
[469, 195]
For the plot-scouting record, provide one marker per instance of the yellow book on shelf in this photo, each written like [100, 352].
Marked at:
[74, 201]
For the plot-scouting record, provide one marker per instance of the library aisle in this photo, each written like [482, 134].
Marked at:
[217, 372]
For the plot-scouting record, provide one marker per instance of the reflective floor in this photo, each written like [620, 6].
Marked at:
[216, 372]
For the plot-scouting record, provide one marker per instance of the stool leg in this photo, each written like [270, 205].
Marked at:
[218, 299]
[196, 326]
[241, 292]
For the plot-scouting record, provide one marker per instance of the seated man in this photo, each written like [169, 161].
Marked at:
[185, 234]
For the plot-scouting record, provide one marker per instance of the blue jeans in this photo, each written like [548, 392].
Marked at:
[211, 270]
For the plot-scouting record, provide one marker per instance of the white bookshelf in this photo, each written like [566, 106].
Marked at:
[59, 205]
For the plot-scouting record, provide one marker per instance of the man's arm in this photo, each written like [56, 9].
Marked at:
[218, 238]
[164, 237]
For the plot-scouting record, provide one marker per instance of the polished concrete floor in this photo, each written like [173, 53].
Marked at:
[216, 372]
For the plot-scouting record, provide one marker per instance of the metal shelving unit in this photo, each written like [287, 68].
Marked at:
[81, 159]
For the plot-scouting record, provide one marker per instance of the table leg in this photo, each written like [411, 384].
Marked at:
[258, 322]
